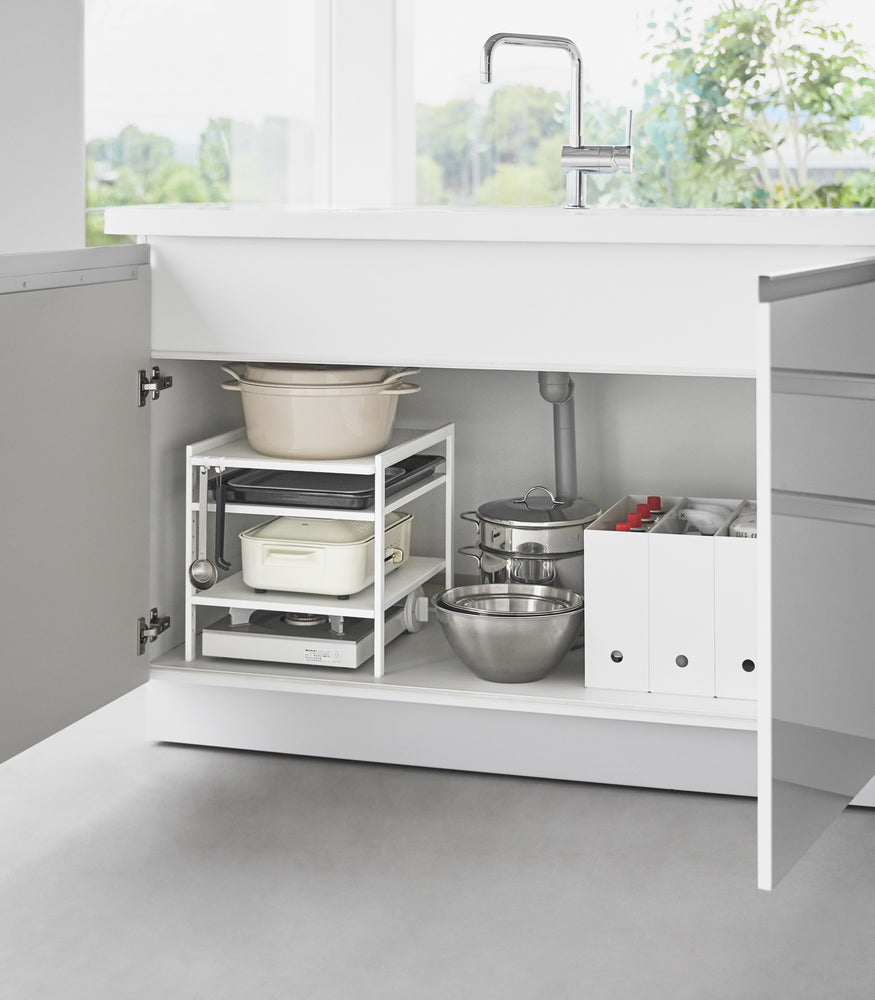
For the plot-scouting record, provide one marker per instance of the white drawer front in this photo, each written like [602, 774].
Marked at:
[823, 443]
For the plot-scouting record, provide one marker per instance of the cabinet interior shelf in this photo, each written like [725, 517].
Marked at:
[422, 667]
[232, 592]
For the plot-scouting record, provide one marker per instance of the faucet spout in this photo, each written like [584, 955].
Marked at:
[576, 179]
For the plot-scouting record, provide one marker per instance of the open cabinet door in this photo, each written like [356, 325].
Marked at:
[74, 330]
[816, 492]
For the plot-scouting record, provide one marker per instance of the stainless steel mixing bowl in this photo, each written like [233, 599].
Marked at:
[505, 647]
[510, 599]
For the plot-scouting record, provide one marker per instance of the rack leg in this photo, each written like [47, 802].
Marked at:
[448, 509]
[379, 576]
[190, 536]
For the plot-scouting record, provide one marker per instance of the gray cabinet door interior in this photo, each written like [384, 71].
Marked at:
[816, 487]
[74, 330]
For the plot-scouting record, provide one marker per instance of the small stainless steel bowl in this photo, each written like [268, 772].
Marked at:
[510, 599]
[509, 648]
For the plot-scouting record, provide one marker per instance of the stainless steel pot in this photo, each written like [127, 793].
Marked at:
[535, 539]
[535, 526]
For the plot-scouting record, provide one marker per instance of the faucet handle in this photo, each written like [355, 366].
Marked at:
[623, 154]
[600, 159]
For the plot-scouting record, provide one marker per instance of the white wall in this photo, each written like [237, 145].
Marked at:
[42, 159]
[659, 434]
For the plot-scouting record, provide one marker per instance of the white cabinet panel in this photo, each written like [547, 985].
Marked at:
[446, 303]
[822, 633]
[828, 330]
[807, 424]
[74, 449]
[817, 571]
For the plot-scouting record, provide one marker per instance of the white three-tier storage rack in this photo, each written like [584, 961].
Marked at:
[231, 451]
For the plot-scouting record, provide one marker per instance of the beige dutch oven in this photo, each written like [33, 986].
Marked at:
[318, 420]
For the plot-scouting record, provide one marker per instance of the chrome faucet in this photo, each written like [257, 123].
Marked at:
[576, 193]
[576, 160]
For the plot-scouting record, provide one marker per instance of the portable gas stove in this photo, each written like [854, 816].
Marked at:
[312, 640]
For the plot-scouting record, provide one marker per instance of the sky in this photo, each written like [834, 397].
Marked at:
[170, 65]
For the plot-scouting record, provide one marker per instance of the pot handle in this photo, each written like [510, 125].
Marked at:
[524, 499]
[470, 515]
[471, 550]
[231, 386]
[292, 554]
[402, 389]
[233, 371]
[399, 376]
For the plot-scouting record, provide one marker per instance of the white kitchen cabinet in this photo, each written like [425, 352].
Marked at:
[81, 448]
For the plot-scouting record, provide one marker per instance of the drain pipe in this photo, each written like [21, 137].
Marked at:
[558, 388]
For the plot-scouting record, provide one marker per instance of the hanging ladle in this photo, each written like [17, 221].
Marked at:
[202, 573]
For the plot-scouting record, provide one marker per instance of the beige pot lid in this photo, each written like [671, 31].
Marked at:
[319, 531]
[315, 374]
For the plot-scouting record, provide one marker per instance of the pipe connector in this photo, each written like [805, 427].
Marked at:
[556, 387]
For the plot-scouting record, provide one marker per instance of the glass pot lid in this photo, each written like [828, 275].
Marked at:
[539, 507]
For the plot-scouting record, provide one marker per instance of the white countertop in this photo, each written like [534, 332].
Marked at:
[740, 227]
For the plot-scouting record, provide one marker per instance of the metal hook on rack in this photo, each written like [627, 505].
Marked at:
[202, 572]
[219, 554]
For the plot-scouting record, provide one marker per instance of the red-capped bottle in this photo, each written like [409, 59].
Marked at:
[646, 516]
[656, 509]
[635, 524]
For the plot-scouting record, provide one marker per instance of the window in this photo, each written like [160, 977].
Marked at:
[701, 139]
[201, 101]
[379, 102]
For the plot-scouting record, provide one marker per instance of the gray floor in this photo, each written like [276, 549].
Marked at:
[131, 870]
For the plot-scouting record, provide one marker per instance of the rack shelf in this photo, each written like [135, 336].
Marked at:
[397, 501]
[232, 451]
[232, 592]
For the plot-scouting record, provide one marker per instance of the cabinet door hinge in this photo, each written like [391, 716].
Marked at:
[154, 384]
[148, 631]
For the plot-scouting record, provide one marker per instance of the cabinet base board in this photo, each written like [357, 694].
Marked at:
[604, 751]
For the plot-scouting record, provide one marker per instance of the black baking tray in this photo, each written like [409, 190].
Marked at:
[335, 490]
